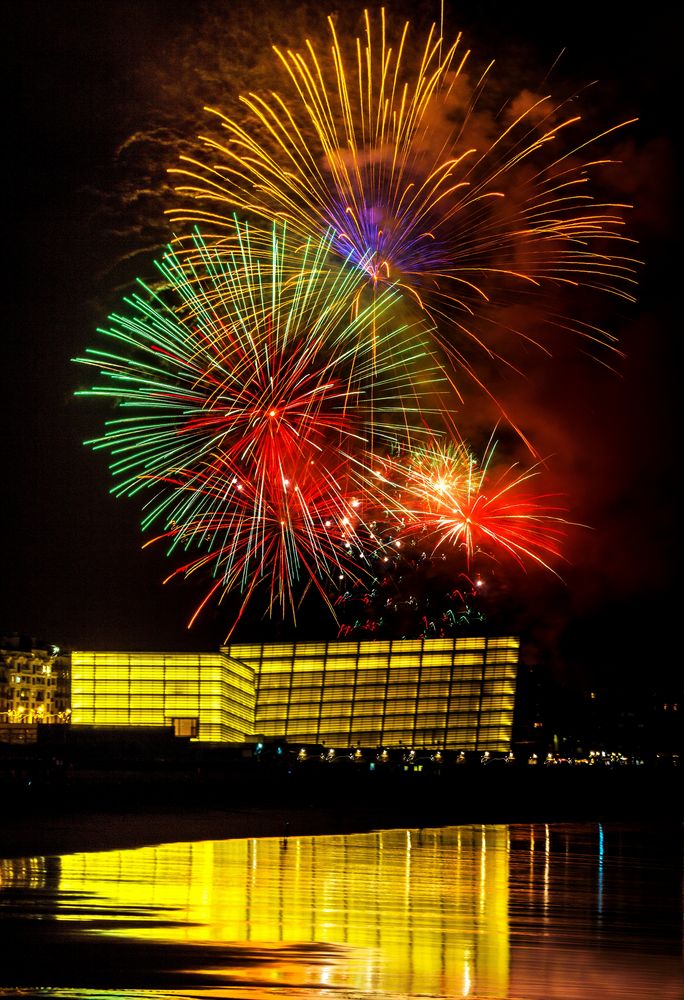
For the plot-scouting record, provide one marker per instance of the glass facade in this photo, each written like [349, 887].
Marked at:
[203, 694]
[451, 693]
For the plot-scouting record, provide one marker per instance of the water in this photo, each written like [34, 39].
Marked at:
[557, 912]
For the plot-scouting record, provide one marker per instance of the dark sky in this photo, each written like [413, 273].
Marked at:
[74, 572]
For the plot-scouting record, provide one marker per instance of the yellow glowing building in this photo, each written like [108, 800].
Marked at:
[207, 696]
[451, 693]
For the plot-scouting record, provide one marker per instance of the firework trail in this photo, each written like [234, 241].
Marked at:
[277, 536]
[452, 499]
[246, 390]
[286, 393]
[441, 496]
[384, 147]
[442, 526]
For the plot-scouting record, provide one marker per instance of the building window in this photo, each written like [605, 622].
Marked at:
[185, 727]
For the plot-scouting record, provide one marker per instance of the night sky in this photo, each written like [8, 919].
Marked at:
[85, 76]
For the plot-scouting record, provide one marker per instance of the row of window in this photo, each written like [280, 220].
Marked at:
[368, 648]
[367, 675]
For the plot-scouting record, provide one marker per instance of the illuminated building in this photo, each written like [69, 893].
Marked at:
[207, 696]
[452, 693]
[34, 684]
[434, 692]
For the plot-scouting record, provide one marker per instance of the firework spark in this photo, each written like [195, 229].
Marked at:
[239, 380]
[279, 535]
[383, 148]
[453, 500]
[439, 526]
[286, 395]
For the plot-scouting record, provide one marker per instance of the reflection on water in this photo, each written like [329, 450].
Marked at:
[407, 911]
[557, 911]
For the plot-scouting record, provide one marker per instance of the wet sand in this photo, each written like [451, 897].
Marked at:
[98, 816]
[52, 835]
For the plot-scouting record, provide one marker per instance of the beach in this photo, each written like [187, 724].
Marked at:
[138, 810]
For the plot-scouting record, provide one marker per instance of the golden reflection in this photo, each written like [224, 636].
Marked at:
[419, 912]
[25, 873]
[547, 863]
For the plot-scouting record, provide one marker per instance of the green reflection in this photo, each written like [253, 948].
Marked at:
[400, 911]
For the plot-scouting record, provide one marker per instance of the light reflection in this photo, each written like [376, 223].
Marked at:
[476, 912]
[467, 981]
[417, 912]
[26, 873]
[600, 871]
[547, 863]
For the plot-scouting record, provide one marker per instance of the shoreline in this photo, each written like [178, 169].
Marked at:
[32, 836]
[118, 810]
[47, 836]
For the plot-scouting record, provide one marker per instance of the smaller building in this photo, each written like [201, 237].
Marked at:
[34, 683]
[205, 696]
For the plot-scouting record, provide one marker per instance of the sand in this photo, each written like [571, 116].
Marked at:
[53, 835]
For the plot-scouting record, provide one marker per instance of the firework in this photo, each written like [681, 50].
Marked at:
[246, 390]
[286, 392]
[452, 500]
[279, 535]
[385, 148]
[440, 525]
